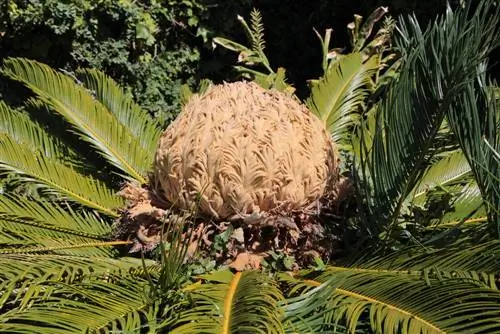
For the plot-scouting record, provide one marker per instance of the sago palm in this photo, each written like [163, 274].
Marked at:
[109, 224]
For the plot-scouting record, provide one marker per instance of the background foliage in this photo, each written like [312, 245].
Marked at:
[152, 47]
[424, 146]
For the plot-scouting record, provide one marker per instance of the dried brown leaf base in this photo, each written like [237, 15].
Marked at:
[242, 242]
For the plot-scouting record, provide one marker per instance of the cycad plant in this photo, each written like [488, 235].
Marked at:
[412, 224]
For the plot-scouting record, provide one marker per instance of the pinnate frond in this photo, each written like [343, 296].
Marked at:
[25, 131]
[52, 215]
[416, 104]
[416, 291]
[231, 303]
[143, 128]
[478, 262]
[475, 121]
[54, 177]
[27, 282]
[88, 117]
[111, 305]
[27, 226]
[393, 303]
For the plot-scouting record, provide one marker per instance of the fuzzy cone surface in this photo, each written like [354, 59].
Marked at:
[244, 149]
[253, 161]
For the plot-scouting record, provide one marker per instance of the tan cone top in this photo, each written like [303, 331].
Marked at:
[240, 149]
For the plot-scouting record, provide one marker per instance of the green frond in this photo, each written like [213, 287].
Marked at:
[453, 169]
[77, 246]
[87, 307]
[28, 241]
[56, 178]
[232, 303]
[89, 118]
[476, 265]
[339, 96]
[467, 207]
[394, 304]
[145, 129]
[23, 130]
[475, 121]
[411, 115]
[27, 226]
[477, 262]
[302, 311]
[68, 268]
[55, 217]
[26, 278]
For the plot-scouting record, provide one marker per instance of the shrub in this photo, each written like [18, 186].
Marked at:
[146, 45]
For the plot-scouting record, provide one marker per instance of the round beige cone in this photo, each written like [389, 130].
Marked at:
[240, 149]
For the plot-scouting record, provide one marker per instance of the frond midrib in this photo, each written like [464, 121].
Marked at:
[79, 198]
[64, 247]
[376, 301]
[121, 150]
[25, 156]
[94, 134]
[228, 303]
[33, 223]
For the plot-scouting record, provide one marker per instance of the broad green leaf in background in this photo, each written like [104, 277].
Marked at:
[338, 98]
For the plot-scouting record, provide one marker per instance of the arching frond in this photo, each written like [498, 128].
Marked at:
[19, 267]
[394, 304]
[88, 307]
[85, 291]
[450, 170]
[475, 121]
[479, 262]
[56, 178]
[145, 129]
[23, 130]
[25, 278]
[27, 226]
[232, 303]
[77, 246]
[337, 98]
[415, 291]
[416, 104]
[303, 312]
[59, 218]
[91, 120]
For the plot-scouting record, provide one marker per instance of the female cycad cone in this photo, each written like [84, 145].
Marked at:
[239, 149]
[254, 164]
